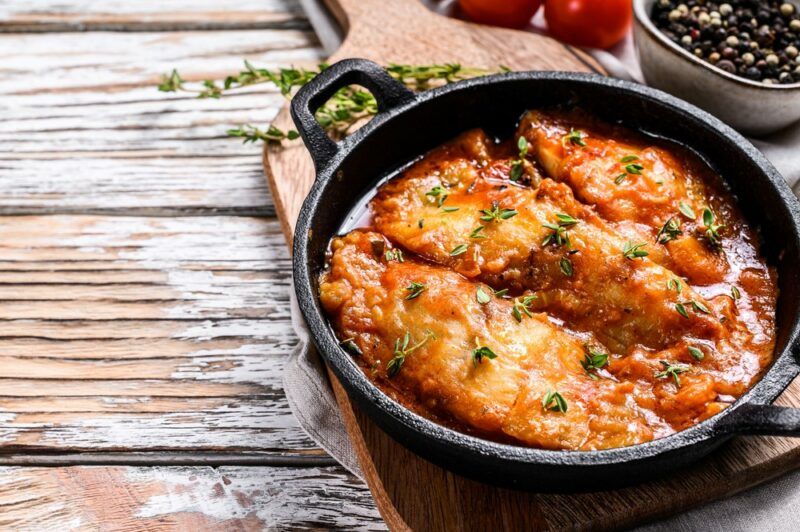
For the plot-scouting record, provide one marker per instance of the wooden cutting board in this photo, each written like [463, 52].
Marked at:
[410, 492]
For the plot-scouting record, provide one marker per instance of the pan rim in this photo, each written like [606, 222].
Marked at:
[766, 390]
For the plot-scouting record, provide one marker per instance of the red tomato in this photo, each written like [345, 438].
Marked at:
[508, 13]
[594, 23]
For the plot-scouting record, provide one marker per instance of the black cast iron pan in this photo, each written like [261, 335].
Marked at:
[409, 124]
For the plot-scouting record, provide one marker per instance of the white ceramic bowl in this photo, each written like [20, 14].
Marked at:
[749, 106]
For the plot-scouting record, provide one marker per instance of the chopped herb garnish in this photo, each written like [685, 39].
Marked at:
[554, 401]
[517, 167]
[449, 209]
[574, 137]
[394, 254]
[594, 359]
[620, 178]
[481, 296]
[735, 294]
[350, 345]
[686, 211]
[522, 145]
[438, 194]
[476, 233]
[559, 235]
[522, 306]
[696, 353]
[459, 250]
[669, 231]
[566, 266]
[501, 293]
[671, 370]
[634, 251]
[695, 305]
[675, 284]
[516, 171]
[629, 159]
[480, 352]
[634, 168]
[415, 290]
[402, 350]
[497, 214]
[712, 229]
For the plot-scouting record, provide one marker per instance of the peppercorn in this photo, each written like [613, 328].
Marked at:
[758, 40]
[752, 73]
[727, 66]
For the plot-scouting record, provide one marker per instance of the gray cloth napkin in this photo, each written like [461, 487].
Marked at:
[769, 507]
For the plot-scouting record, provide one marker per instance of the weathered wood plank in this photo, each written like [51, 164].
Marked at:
[150, 15]
[87, 132]
[180, 498]
[129, 333]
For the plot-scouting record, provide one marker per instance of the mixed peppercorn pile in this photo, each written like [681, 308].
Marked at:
[757, 40]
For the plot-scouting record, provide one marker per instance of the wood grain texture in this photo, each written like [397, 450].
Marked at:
[145, 336]
[184, 498]
[87, 132]
[126, 333]
[450, 502]
[116, 15]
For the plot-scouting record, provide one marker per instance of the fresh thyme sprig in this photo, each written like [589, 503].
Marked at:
[630, 168]
[496, 214]
[669, 231]
[481, 296]
[695, 305]
[593, 360]
[574, 137]
[253, 134]
[559, 234]
[480, 352]
[554, 401]
[522, 306]
[671, 370]
[414, 290]
[437, 194]
[634, 251]
[517, 166]
[343, 110]
[712, 229]
[402, 350]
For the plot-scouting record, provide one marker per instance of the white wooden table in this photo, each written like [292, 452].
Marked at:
[144, 318]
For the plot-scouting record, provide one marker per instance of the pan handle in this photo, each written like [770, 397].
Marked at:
[767, 420]
[388, 92]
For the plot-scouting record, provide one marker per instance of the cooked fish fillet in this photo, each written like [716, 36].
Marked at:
[450, 209]
[437, 331]
[630, 181]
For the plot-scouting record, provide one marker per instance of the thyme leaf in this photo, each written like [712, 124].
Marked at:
[669, 231]
[634, 251]
[415, 289]
[671, 370]
[574, 137]
[402, 350]
[554, 401]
